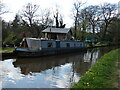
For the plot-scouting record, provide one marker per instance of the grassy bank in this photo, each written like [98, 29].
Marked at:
[103, 74]
[6, 50]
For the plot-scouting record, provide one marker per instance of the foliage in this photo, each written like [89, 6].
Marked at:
[102, 74]
[91, 20]
[79, 34]
[113, 30]
[102, 44]
[7, 50]
[91, 13]
[107, 13]
[97, 19]
[76, 12]
[11, 38]
[59, 20]
[5, 30]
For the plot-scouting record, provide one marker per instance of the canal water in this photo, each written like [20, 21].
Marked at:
[60, 71]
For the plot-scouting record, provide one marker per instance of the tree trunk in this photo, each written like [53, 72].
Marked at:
[75, 27]
[93, 27]
[104, 33]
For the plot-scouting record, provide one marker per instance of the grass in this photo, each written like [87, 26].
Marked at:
[101, 75]
[6, 50]
[98, 44]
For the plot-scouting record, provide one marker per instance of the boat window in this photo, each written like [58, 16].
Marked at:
[81, 44]
[50, 45]
[74, 44]
[67, 44]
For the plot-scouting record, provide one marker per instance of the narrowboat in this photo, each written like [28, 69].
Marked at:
[59, 42]
[33, 47]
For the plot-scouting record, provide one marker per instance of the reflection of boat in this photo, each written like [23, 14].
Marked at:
[28, 65]
[33, 47]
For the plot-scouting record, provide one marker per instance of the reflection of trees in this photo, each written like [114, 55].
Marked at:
[44, 63]
[88, 55]
[73, 70]
[67, 67]
[80, 63]
[95, 56]
[36, 66]
[81, 67]
[88, 59]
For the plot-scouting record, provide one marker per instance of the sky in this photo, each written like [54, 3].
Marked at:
[65, 7]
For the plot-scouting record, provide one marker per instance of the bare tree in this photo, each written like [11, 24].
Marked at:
[29, 14]
[46, 17]
[44, 20]
[92, 14]
[2, 10]
[77, 6]
[108, 12]
[83, 23]
[62, 25]
[58, 19]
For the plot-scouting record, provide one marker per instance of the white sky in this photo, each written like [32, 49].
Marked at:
[14, 6]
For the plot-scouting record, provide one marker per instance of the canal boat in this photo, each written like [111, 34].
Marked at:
[33, 47]
[55, 41]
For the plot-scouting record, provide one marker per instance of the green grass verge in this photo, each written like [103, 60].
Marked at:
[102, 74]
[6, 50]
[98, 44]
[102, 43]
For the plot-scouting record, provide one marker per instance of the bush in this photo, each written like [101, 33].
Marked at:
[11, 39]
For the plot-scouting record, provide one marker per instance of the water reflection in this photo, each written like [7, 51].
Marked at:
[92, 56]
[44, 63]
[48, 72]
[9, 72]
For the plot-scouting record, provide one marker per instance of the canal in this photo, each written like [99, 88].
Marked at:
[60, 71]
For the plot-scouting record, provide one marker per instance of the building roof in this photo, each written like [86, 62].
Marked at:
[56, 30]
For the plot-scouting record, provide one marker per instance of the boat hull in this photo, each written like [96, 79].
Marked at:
[38, 53]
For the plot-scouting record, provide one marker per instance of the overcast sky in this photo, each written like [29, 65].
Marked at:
[65, 7]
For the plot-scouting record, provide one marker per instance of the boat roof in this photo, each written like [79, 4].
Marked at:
[56, 30]
[33, 38]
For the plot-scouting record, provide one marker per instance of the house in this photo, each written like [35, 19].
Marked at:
[57, 33]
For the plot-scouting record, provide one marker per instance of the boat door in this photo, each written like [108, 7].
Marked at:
[57, 44]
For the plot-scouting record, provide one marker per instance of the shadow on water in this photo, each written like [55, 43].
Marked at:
[60, 71]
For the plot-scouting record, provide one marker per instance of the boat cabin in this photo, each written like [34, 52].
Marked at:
[38, 44]
[57, 33]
